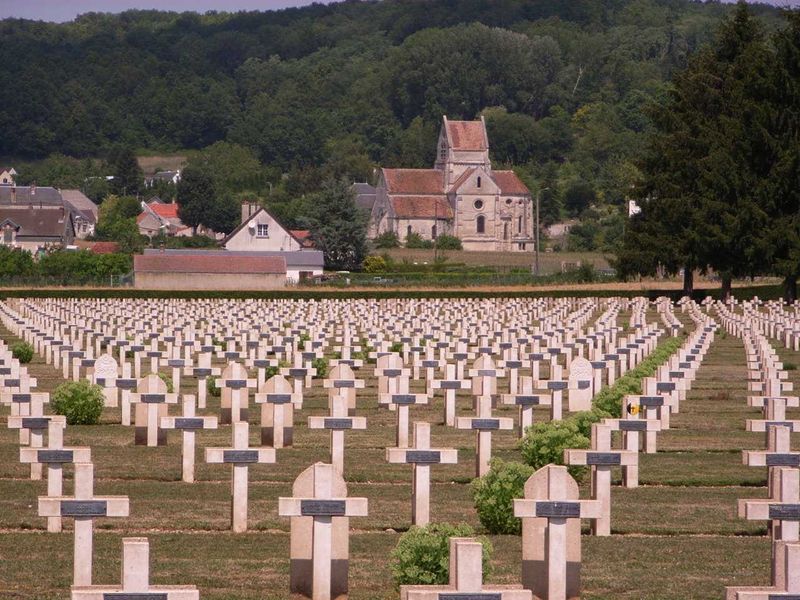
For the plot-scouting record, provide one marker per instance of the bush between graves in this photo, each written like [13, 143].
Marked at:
[80, 401]
[211, 387]
[168, 381]
[544, 444]
[22, 351]
[494, 493]
[422, 554]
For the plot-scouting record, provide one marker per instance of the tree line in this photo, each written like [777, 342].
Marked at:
[720, 171]
[331, 91]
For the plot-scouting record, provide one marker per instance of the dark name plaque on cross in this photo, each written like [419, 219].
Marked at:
[201, 372]
[189, 422]
[470, 596]
[485, 424]
[651, 401]
[404, 399]
[665, 386]
[557, 385]
[632, 425]
[83, 508]
[175, 362]
[126, 384]
[450, 385]
[338, 424]
[557, 509]
[279, 398]
[20, 398]
[425, 457]
[527, 400]
[235, 384]
[784, 512]
[11, 383]
[603, 458]
[783, 460]
[54, 456]
[152, 398]
[430, 364]
[344, 383]
[240, 456]
[392, 372]
[323, 508]
[35, 422]
[135, 596]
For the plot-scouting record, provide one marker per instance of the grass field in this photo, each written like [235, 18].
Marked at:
[677, 536]
[549, 262]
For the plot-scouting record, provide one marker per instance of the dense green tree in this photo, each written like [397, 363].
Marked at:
[197, 197]
[337, 226]
[128, 176]
[579, 196]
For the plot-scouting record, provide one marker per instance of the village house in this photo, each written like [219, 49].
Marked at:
[157, 218]
[462, 195]
[197, 271]
[168, 177]
[84, 212]
[35, 218]
[7, 175]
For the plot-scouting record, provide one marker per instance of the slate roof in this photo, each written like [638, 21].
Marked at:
[467, 135]
[365, 196]
[27, 195]
[80, 204]
[202, 263]
[509, 183]
[421, 207]
[45, 222]
[416, 182]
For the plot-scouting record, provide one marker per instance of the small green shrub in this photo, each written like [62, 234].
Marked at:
[322, 366]
[544, 444]
[494, 493]
[22, 351]
[79, 401]
[375, 264]
[448, 242]
[270, 372]
[396, 347]
[421, 557]
[168, 380]
[211, 387]
[415, 240]
[387, 240]
[787, 366]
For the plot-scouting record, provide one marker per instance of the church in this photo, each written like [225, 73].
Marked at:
[462, 196]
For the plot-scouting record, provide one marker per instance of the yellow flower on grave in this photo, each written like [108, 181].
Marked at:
[633, 409]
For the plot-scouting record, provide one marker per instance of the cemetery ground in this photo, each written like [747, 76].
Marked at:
[676, 536]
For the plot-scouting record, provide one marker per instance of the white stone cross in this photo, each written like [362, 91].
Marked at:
[342, 382]
[234, 383]
[402, 401]
[322, 506]
[277, 400]
[782, 508]
[631, 428]
[84, 507]
[151, 399]
[135, 579]
[35, 424]
[421, 456]
[189, 423]
[786, 577]
[450, 384]
[551, 514]
[240, 456]
[338, 422]
[54, 456]
[601, 458]
[484, 424]
[525, 399]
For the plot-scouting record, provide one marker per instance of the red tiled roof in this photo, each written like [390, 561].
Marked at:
[198, 263]
[467, 135]
[303, 236]
[462, 178]
[421, 207]
[98, 247]
[165, 211]
[509, 183]
[414, 181]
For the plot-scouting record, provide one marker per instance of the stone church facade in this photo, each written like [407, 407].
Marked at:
[489, 210]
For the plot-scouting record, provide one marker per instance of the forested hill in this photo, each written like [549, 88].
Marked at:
[563, 83]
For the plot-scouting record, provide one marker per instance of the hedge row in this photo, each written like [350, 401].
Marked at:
[765, 292]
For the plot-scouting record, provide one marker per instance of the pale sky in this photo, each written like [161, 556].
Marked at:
[66, 10]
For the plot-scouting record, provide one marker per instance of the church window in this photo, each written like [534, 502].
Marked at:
[262, 230]
[479, 181]
[443, 152]
[505, 231]
[509, 201]
[480, 224]
[478, 204]
[433, 232]
[519, 224]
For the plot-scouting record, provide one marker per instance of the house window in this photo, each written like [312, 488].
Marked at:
[479, 181]
[433, 232]
[481, 224]
[8, 235]
[262, 230]
[408, 231]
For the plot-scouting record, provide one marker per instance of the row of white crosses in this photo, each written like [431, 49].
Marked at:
[781, 509]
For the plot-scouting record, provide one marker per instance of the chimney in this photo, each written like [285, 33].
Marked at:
[248, 210]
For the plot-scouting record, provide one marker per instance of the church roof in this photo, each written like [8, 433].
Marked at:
[421, 207]
[414, 182]
[467, 135]
[462, 178]
[509, 183]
